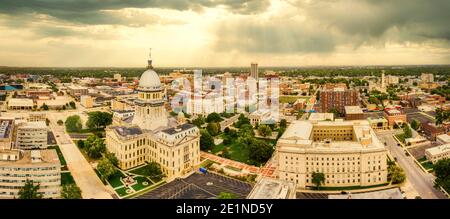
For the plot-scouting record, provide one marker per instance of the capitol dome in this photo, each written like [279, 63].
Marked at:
[150, 79]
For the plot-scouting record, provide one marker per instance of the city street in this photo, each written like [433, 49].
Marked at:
[421, 181]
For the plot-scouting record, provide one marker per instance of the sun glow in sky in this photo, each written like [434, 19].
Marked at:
[208, 33]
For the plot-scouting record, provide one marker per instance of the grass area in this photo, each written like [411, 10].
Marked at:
[156, 179]
[60, 155]
[122, 191]
[207, 163]
[140, 179]
[238, 153]
[427, 165]
[139, 170]
[114, 180]
[422, 159]
[217, 148]
[67, 178]
[291, 99]
[233, 168]
[351, 187]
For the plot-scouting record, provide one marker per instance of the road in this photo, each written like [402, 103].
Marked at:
[422, 182]
[82, 172]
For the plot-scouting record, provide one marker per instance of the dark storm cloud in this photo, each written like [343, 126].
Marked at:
[93, 11]
[331, 23]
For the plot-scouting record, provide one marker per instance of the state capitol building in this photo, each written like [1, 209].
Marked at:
[149, 137]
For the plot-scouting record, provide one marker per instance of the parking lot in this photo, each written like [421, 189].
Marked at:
[199, 186]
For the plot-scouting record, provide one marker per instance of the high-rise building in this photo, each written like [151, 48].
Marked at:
[31, 135]
[338, 98]
[254, 71]
[383, 80]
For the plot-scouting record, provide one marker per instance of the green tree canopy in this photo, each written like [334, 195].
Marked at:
[442, 172]
[213, 128]
[106, 169]
[30, 190]
[395, 174]
[318, 179]
[153, 170]
[98, 119]
[206, 140]
[73, 123]
[226, 195]
[199, 121]
[264, 130]
[214, 117]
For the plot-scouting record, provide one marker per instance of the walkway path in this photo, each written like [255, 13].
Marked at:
[82, 172]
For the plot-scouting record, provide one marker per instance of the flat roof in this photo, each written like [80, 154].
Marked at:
[178, 129]
[353, 110]
[34, 125]
[444, 137]
[20, 102]
[126, 131]
[438, 149]
[269, 188]
[393, 193]
[321, 116]
[31, 157]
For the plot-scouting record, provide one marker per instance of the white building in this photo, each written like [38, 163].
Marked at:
[435, 154]
[149, 138]
[348, 153]
[31, 135]
[40, 166]
[269, 188]
[443, 139]
[321, 117]
[427, 78]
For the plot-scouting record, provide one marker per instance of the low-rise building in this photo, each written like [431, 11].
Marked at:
[20, 104]
[31, 135]
[40, 166]
[435, 154]
[395, 115]
[36, 117]
[443, 139]
[354, 113]
[432, 130]
[321, 117]
[77, 91]
[269, 188]
[378, 123]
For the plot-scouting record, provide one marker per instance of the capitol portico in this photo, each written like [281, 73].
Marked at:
[149, 137]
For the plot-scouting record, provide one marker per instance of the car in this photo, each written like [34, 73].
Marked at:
[57, 135]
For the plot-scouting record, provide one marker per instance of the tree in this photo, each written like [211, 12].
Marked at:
[199, 121]
[64, 107]
[60, 122]
[261, 151]
[214, 117]
[98, 119]
[407, 131]
[242, 120]
[206, 140]
[30, 191]
[283, 123]
[80, 144]
[264, 130]
[213, 128]
[106, 169]
[318, 179]
[44, 106]
[94, 146]
[71, 191]
[395, 174]
[72, 104]
[47, 121]
[442, 172]
[112, 158]
[153, 170]
[73, 123]
[226, 195]
[415, 124]
[335, 112]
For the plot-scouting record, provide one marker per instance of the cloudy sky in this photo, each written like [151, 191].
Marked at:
[200, 33]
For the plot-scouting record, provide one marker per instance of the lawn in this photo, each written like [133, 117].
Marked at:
[139, 170]
[422, 159]
[291, 99]
[114, 180]
[67, 178]
[217, 148]
[207, 163]
[427, 165]
[60, 155]
[139, 185]
[122, 191]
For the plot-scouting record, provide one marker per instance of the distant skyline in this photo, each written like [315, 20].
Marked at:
[224, 33]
